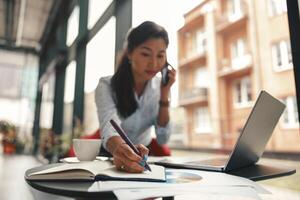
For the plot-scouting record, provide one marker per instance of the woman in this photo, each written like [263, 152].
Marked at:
[135, 97]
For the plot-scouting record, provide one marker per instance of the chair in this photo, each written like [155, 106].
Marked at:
[158, 149]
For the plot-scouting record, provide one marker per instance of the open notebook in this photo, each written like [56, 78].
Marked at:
[94, 171]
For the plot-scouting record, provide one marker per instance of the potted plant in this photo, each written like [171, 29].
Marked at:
[9, 138]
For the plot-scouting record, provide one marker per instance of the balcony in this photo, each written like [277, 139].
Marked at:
[192, 57]
[239, 65]
[193, 96]
[229, 21]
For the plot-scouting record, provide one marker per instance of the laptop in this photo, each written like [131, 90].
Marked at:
[250, 144]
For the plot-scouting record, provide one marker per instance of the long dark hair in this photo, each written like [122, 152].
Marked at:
[122, 81]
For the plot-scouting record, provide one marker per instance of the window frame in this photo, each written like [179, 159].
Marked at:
[200, 41]
[242, 58]
[207, 129]
[235, 10]
[284, 54]
[244, 87]
[201, 73]
[279, 9]
[291, 113]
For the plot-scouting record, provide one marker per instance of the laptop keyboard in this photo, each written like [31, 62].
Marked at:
[210, 162]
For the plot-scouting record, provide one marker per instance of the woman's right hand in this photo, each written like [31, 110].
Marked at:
[165, 89]
[126, 159]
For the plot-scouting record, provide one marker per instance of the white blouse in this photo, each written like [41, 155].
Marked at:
[137, 125]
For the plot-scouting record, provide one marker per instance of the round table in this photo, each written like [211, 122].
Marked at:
[83, 190]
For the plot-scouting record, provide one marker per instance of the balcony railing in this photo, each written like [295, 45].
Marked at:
[192, 56]
[227, 18]
[236, 64]
[241, 62]
[193, 95]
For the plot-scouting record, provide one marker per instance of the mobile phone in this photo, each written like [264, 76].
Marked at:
[164, 74]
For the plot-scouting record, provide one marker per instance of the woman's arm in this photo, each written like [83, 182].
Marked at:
[106, 110]
[163, 113]
[162, 125]
[111, 141]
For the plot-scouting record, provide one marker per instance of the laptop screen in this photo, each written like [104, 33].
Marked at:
[256, 132]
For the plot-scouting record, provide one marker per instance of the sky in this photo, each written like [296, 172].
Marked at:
[100, 50]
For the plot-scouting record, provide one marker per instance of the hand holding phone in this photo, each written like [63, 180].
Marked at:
[165, 74]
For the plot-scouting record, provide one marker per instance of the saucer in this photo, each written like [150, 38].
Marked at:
[75, 160]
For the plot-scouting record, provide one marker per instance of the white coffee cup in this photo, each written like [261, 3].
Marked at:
[86, 149]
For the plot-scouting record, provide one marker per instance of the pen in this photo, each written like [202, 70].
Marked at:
[127, 140]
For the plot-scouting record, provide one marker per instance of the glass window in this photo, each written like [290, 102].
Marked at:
[70, 82]
[200, 42]
[285, 115]
[96, 9]
[100, 61]
[69, 98]
[47, 105]
[100, 54]
[202, 78]
[202, 120]
[281, 55]
[239, 59]
[277, 7]
[284, 52]
[238, 48]
[73, 26]
[295, 110]
[272, 7]
[195, 43]
[8, 88]
[248, 50]
[18, 85]
[289, 50]
[290, 115]
[277, 60]
[238, 63]
[172, 21]
[234, 9]
[238, 92]
[242, 91]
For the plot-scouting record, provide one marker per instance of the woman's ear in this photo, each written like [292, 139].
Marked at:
[128, 55]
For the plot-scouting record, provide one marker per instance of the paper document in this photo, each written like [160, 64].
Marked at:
[189, 178]
[206, 192]
[184, 182]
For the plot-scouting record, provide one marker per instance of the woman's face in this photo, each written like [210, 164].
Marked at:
[147, 59]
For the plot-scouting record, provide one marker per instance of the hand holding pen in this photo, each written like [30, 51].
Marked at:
[127, 156]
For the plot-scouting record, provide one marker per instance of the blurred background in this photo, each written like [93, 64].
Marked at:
[53, 52]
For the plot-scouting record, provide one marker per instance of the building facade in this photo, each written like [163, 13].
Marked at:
[230, 50]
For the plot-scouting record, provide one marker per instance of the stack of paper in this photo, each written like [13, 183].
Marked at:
[201, 183]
